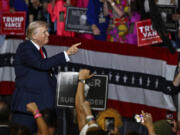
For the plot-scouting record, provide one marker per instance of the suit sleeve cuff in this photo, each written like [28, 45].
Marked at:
[66, 57]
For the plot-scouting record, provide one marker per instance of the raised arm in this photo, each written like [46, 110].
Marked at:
[82, 107]
[148, 123]
[41, 124]
[119, 12]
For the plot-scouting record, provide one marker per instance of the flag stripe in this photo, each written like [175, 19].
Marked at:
[140, 96]
[6, 87]
[7, 74]
[117, 77]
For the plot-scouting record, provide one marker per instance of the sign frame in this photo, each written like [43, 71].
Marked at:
[67, 83]
[76, 20]
[14, 29]
[152, 35]
[166, 15]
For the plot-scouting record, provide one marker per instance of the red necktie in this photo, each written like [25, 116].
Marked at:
[41, 51]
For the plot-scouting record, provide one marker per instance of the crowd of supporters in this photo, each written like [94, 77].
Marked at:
[110, 20]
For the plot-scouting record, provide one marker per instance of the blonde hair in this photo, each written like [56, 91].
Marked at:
[32, 28]
[109, 112]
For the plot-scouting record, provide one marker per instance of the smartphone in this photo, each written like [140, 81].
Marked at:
[109, 123]
[139, 118]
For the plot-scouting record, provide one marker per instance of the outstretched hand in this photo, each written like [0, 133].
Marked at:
[73, 49]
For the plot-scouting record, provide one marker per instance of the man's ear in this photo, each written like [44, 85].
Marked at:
[34, 36]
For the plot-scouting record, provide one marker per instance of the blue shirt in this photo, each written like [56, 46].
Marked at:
[95, 15]
[19, 5]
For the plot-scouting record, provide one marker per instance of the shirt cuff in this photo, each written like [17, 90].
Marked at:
[66, 57]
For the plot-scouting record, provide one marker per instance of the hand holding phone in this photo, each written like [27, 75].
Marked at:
[109, 123]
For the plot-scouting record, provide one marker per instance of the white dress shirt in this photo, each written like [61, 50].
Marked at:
[65, 54]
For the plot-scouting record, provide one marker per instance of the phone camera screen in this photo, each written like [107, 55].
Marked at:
[109, 123]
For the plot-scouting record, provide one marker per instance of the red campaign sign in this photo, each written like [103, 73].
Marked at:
[13, 23]
[146, 34]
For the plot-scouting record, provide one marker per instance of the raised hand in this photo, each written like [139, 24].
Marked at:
[95, 30]
[73, 49]
[148, 122]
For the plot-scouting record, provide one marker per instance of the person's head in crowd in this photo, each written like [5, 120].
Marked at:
[37, 31]
[17, 129]
[45, 5]
[35, 3]
[113, 117]
[135, 5]
[50, 117]
[67, 3]
[4, 112]
[162, 127]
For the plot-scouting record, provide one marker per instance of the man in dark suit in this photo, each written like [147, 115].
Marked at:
[35, 81]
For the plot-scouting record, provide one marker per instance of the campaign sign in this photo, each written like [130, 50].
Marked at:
[146, 34]
[76, 20]
[95, 90]
[166, 12]
[13, 23]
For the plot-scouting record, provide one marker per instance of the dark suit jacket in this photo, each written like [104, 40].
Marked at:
[33, 81]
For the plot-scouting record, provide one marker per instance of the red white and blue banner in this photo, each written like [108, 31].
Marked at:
[138, 77]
